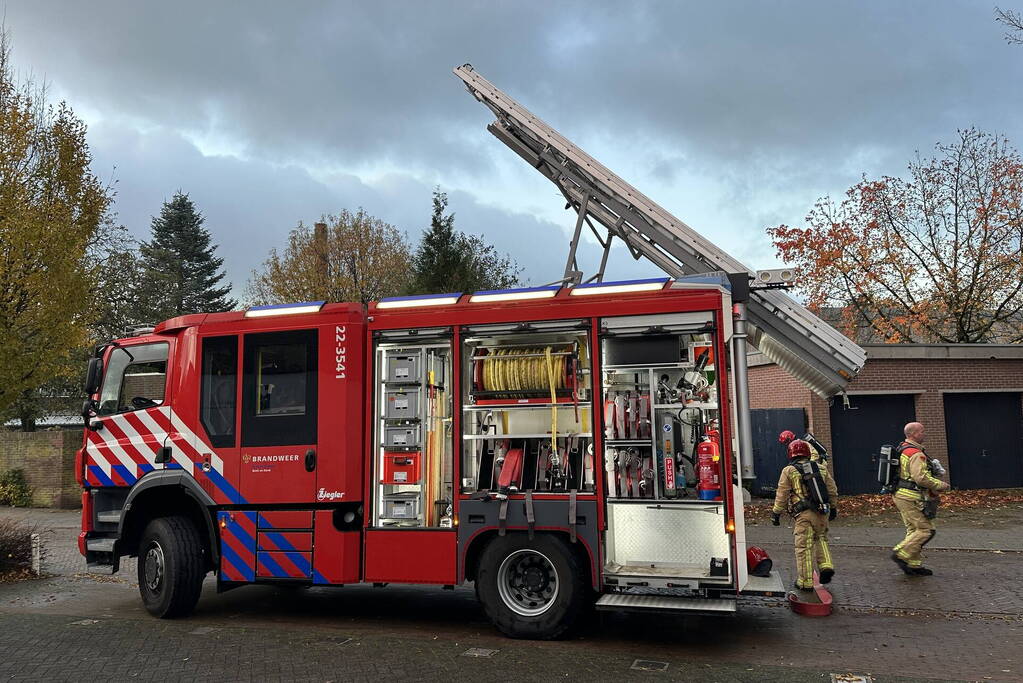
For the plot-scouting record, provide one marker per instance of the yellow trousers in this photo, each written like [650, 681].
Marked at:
[811, 539]
[919, 530]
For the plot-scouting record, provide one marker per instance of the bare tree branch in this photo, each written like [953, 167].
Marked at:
[1013, 22]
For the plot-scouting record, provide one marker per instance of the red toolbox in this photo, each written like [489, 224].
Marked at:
[401, 468]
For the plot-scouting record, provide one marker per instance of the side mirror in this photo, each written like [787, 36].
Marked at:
[88, 411]
[94, 376]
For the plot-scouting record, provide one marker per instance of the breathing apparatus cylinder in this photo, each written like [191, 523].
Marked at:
[708, 465]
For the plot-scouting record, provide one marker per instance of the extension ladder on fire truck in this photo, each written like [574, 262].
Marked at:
[782, 329]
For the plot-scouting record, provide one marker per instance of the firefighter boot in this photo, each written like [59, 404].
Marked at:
[902, 564]
[922, 571]
[826, 574]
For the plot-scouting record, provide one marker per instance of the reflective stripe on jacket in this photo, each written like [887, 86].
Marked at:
[915, 467]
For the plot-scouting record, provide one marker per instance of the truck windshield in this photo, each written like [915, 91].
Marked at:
[134, 384]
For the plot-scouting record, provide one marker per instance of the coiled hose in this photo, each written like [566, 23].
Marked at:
[538, 369]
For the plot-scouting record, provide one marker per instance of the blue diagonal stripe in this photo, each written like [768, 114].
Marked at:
[126, 474]
[296, 557]
[274, 568]
[242, 535]
[97, 472]
[225, 487]
[231, 556]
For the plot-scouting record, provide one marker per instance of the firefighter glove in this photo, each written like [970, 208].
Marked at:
[776, 519]
[833, 513]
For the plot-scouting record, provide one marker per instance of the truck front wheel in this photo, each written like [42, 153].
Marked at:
[170, 567]
[532, 588]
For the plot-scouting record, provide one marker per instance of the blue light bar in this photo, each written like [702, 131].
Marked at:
[284, 309]
[419, 300]
[620, 286]
[545, 292]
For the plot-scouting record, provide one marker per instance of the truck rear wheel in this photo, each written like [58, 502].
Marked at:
[170, 567]
[532, 588]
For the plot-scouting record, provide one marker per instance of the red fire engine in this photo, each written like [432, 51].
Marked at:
[518, 439]
[559, 446]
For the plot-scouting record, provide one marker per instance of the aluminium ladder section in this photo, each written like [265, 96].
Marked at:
[781, 328]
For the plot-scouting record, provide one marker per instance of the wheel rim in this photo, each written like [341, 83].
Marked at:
[154, 567]
[527, 582]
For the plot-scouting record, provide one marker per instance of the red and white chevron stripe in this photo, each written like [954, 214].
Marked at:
[126, 447]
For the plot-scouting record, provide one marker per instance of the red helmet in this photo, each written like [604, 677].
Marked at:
[799, 449]
[757, 561]
[786, 436]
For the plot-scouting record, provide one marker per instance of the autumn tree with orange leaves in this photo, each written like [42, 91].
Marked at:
[935, 257]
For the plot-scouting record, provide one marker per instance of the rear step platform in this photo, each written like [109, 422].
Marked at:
[109, 517]
[770, 585]
[100, 545]
[664, 603]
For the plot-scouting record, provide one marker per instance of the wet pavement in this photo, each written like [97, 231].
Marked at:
[963, 623]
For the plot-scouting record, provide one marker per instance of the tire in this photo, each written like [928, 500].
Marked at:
[171, 567]
[533, 589]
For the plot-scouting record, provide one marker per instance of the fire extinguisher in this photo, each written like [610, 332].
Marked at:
[708, 458]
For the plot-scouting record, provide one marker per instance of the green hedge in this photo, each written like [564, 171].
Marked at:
[14, 490]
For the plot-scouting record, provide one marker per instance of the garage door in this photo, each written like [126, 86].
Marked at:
[985, 440]
[769, 456]
[858, 432]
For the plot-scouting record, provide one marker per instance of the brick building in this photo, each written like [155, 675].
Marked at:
[48, 460]
[967, 395]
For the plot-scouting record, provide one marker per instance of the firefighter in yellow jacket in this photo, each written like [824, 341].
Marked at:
[917, 501]
[808, 493]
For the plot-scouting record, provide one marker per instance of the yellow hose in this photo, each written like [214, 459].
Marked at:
[503, 372]
[554, 401]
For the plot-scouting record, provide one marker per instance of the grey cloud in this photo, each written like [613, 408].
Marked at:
[360, 83]
[769, 104]
[250, 206]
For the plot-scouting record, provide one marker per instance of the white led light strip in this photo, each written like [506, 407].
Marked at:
[618, 289]
[294, 310]
[513, 296]
[442, 301]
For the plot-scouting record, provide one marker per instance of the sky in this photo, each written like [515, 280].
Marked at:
[733, 116]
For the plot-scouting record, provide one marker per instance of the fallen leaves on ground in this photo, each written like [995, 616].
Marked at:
[16, 575]
[868, 505]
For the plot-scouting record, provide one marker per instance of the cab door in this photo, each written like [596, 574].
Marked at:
[279, 410]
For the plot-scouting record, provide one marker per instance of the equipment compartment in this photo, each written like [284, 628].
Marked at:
[667, 540]
[284, 565]
[285, 540]
[413, 444]
[661, 439]
[527, 421]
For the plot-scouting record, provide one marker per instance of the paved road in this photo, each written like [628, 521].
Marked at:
[72, 625]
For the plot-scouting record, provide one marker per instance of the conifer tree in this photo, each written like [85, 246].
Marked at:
[182, 273]
[448, 260]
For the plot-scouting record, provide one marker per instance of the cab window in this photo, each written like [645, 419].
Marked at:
[279, 388]
[135, 378]
[218, 399]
